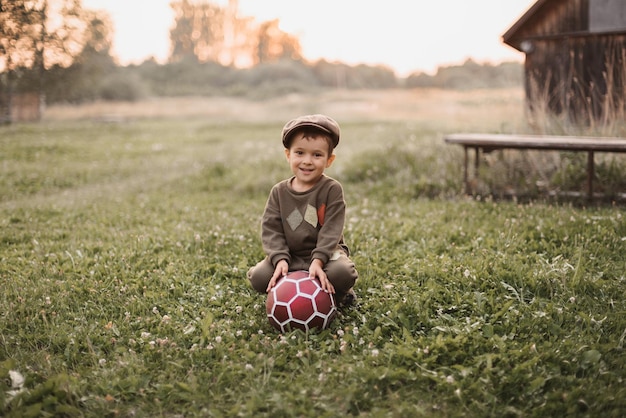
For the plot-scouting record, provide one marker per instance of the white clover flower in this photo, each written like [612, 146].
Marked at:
[218, 339]
[249, 366]
[155, 310]
[17, 380]
[166, 319]
[145, 334]
[450, 379]
[17, 384]
[374, 353]
[102, 361]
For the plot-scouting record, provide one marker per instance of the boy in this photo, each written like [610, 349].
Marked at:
[302, 226]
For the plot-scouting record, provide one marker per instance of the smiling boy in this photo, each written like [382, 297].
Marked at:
[302, 226]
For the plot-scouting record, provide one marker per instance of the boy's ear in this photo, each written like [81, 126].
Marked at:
[287, 153]
[330, 160]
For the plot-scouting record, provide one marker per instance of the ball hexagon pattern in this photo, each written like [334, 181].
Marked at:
[299, 302]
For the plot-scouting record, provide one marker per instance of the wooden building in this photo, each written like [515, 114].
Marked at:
[575, 57]
[21, 107]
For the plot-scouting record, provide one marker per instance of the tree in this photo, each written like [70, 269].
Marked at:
[208, 33]
[15, 40]
[34, 36]
[198, 31]
[82, 80]
[275, 45]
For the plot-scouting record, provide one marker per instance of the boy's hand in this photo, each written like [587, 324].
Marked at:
[281, 270]
[316, 270]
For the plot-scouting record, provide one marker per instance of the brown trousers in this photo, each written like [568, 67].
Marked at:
[339, 269]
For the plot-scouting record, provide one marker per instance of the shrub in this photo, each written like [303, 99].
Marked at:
[123, 87]
[415, 168]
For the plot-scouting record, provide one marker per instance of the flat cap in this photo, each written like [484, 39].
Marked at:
[322, 122]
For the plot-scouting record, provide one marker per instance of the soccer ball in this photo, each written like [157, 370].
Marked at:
[299, 302]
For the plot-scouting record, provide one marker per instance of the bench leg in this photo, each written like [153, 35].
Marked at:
[465, 174]
[476, 164]
[466, 180]
[590, 175]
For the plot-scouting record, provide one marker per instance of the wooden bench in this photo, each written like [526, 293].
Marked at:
[491, 142]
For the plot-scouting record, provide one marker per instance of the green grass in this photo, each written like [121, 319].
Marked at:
[123, 251]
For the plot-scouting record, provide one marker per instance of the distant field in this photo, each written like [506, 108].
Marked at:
[126, 231]
[475, 109]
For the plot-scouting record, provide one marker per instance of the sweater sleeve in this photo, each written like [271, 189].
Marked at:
[331, 233]
[272, 233]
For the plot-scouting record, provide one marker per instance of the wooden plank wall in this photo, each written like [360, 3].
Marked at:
[557, 17]
[24, 107]
[583, 76]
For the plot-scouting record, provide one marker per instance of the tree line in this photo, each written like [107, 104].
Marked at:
[62, 51]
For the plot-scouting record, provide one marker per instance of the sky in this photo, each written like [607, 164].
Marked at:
[405, 35]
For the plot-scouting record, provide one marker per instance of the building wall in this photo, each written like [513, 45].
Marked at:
[557, 17]
[23, 107]
[581, 76]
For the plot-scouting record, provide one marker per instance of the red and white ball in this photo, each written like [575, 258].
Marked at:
[299, 302]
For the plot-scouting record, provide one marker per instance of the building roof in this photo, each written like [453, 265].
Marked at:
[510, 34]
[526, 25]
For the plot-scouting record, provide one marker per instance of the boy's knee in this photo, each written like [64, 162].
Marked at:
[259, 276]
[342, 274]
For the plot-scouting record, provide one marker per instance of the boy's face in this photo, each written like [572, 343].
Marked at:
[308, 157]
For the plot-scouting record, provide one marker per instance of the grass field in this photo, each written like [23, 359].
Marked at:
[126, 232]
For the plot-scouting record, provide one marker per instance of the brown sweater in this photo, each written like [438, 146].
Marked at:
[304, 224]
